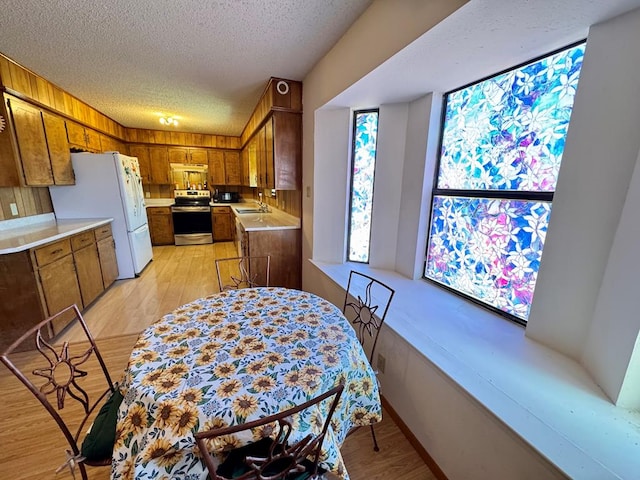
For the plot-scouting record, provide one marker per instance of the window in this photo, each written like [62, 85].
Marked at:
[365, 133]
[501, 148]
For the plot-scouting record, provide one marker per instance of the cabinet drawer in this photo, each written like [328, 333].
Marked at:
[159, 211]
[221, 210]
[52, 252]
[103, 231]
[82, 240]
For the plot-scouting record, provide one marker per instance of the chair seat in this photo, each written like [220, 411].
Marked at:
[97, 447]
[235, 466]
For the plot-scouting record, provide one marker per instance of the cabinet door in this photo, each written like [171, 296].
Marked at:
[216, 167]
[32, 143]
[141, 152]
[75, 135]
[59, 154]
[262, 158]
[108, 261]
[269, 180]
[89, 273]
[222, 224]
[244, 166]
[198, 156]
[287, 150]
[160, 225]
[178, 155]
[159, 163]
[60, 288]
[232, 168]
[92, 140]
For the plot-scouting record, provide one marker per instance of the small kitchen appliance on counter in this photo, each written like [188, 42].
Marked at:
[226, 197]
[191, 214]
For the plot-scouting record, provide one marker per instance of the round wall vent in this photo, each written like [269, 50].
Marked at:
[282, 87]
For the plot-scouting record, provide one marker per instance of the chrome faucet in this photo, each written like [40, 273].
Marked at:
[264, 208]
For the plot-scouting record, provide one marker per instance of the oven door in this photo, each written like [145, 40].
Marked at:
[192, 225]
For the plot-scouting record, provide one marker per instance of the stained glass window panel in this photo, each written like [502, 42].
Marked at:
[508, 132]
[362, 175]
[489, 249]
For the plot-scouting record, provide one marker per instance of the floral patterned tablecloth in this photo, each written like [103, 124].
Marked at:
[230, 358]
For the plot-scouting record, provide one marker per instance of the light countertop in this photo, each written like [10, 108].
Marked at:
[30, 232]
[274, 220]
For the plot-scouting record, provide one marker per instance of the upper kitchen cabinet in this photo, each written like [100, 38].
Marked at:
[83, 138]
[160, 172]
[33, 146]
[274, 154]
[141, 152]
[224, 167]
[196, 156]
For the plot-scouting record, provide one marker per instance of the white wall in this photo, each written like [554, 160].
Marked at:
[600, 154]
[602, 147]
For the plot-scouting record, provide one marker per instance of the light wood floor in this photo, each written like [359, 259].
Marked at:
[30, 447]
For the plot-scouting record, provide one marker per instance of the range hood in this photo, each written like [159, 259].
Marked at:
[187, 176]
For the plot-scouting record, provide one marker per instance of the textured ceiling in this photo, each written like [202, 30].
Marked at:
[204, 62]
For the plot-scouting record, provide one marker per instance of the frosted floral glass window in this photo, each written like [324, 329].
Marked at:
[365, 132]
[502, 145]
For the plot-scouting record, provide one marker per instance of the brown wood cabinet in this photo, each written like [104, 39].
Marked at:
[59, 154]
[39, 282]
[274, 153]
[83, 138]
[107, 255]
[33, 146]
[223, 224]
[160, 173]
[188, 155]
[85, 255]
[284, 246]
[141, 152]
[160, 225]
[224, 167]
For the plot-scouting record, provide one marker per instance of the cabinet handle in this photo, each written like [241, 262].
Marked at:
[55, 252]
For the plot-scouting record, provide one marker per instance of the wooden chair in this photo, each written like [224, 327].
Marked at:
[61, 369]
[243, 272]
[272, 457]
[366, 303]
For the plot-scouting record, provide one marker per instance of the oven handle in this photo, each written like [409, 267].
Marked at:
[190, 209]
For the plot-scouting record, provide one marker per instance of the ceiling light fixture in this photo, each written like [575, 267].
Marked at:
[169, 121]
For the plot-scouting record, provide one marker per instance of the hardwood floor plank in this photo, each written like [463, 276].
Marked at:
[32, 447]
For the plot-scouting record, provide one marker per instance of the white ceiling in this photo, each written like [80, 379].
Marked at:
[205, 62]
[481, 38]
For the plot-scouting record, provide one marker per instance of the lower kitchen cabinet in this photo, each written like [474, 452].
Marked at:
[85, 254]
[160, 225]
[58, 280]
[284, 246]
[37, 283]
[223, 224]
[107, 255]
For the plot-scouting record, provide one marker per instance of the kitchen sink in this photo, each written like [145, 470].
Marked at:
[249, 210]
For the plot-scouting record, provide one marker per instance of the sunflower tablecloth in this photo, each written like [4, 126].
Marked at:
[230, 358]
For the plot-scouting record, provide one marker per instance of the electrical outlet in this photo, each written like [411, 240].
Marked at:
[381, 363]
[14, 209]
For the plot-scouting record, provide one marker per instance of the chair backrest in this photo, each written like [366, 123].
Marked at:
[272, 457]
[366, 303]
[57, 369]
[243, 272]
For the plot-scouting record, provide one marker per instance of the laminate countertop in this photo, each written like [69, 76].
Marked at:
[274, 219]
[29, 232]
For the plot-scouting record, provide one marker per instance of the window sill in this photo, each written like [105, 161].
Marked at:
[546, 398]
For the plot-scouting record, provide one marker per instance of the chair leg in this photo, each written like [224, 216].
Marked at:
[375, 442]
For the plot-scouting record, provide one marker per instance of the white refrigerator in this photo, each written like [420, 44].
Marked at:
[109, 185]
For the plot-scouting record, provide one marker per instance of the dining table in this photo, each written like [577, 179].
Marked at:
[229, 358]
